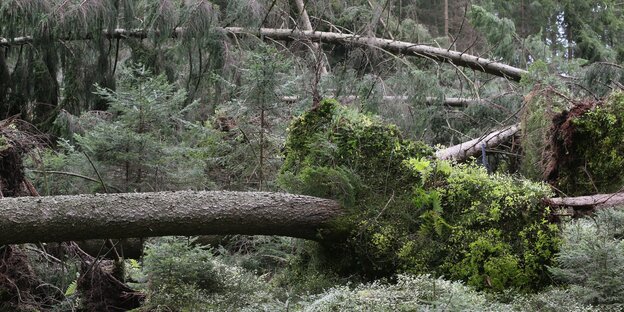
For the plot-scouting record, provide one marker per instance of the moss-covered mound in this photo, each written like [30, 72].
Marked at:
[410, 213]
[593, 140]
[579, 150]
[333, 141]
[489, 230]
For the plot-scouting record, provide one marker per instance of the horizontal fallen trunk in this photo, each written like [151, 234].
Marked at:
[188, 213]
[450, 101]
[470, 148]
[589, 202]
[126, 215]
[392, 46]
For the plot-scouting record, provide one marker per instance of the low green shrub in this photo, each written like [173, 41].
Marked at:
[184, 276]
[425, 293]
[179, 273]
[489, 230]
[591, 258]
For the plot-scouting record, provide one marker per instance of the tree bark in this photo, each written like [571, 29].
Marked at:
[591, 201]
[446, 19]
[464, 150]
[450, 101]
[307, 25]
[5, 84]
[392, 46]
[126, 215]
[378, 12]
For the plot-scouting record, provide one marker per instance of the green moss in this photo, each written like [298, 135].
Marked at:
[489, 230]
[336, 137]
[4, 145]
[408, 212]
[596, 147]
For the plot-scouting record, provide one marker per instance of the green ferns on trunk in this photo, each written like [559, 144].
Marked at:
[408, 212]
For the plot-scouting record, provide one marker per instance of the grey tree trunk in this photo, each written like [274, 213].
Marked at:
[466, 149]
[449, 101]
[307, 25]
[590, 201]
[392, 46]
[125, 215]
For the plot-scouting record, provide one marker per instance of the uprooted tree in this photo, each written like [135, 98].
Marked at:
[391, 207]
[381, 203]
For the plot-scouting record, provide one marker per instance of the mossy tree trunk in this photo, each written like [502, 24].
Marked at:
[124, 215]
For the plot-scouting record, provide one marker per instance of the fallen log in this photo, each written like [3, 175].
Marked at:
[473, 147]
[392, 46]
[188, 213]
[126, 215]
[450, 101]
[396, 47]
[589, 201]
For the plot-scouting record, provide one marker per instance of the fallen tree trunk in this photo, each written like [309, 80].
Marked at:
[450, 101]
[470, 148]
[392, 46]
[126, 215]
[590, 201]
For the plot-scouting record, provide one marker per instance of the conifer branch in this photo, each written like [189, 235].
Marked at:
[392, 46]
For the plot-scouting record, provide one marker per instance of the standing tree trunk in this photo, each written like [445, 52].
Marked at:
[446, 19]
[5, 84]
[307, 25]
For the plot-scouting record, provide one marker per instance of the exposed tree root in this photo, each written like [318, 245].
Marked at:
[561, 139]
[18, 281]
[100, 287]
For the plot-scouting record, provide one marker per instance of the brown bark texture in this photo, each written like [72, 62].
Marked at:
[125, 215]
[396, 47]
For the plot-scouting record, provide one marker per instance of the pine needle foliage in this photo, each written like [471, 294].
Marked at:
[591, 258]
[144, 142]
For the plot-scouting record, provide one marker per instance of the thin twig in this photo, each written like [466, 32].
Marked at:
[108, 242]
[96, 172]
[71, 174]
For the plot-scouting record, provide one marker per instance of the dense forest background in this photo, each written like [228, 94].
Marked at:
[304, 97]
